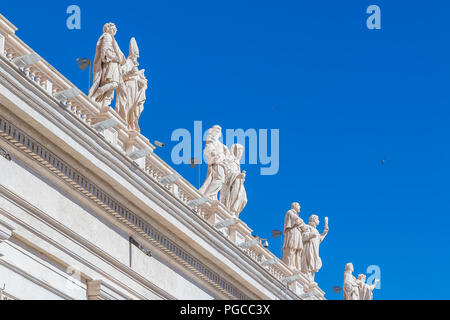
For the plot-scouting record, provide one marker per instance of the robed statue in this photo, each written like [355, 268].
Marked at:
[311, 261]
[233, 194]
[114, 73]
[107, 67]
[131, 93]
[365, 289]
[357, 288]
[216, 153]
[351, 284]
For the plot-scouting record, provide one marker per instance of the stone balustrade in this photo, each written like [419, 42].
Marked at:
[127, 142]
[47, 78]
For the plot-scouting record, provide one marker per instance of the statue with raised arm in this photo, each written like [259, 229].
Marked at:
[351, 287]
[311, 261]
[366, 290]
[216, 153]
[107, 67]
[293, 245]
[233, 194]
[131, 93]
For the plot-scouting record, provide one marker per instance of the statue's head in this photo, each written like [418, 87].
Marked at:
[349, 267]
[362, 277]
[216, 131]
[134, 50]
[296, 206]
[314, 220]
[237, 150]
[110, 28]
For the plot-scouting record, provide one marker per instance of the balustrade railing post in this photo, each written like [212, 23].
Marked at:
[48, 86]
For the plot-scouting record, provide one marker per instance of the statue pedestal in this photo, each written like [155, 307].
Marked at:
[116, 134]
[214, 218]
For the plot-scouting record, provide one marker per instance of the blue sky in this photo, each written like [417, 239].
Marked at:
[344, 98]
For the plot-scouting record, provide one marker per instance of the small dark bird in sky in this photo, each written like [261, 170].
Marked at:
[383, 161]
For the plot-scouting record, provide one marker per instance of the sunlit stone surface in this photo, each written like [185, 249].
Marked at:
[89, 211]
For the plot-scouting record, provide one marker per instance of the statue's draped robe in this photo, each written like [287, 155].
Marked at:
[131, 94]
[233, 195]
[311, 261]
[107, 61]
[366, 291]
[215, 152]
[292, 246]
[350, 287]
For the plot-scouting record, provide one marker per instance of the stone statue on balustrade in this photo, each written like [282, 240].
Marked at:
[216, 154]
[365, 289]
[131, 92]
[311, 261]
[107, 67]
[233, 194]
[356, 289]
[293, 244]
[351, 287]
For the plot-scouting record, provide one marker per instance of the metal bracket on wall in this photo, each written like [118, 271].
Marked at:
[140, 247]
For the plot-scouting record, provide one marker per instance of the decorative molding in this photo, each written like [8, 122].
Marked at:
[33, 279]
[270, 277]
[98, 290]
[6, 296]
[30, 209]
[291, 278]
[6, 231]
[37, 152]
[88, 113]
[7, 26]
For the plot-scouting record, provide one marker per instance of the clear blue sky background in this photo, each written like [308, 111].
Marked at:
[343, 97]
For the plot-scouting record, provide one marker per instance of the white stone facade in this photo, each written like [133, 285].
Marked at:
[80, 219]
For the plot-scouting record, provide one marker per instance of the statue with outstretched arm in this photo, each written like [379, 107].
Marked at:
[311, 261]
[293, 244]
[351, 284]
[365, 289]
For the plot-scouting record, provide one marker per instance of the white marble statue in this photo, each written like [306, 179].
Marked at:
[107, 67]
[233, 194]
[131, 92]
[365, 290]
[356, 289]
[311, 261]
[293, 244]
[351, 287]
[216, 153]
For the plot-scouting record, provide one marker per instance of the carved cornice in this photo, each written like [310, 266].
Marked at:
[82, 184]
[6, 296]
[114, 159]
[82, 112]
[80, 241]
[28, 276]
[7, 26]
